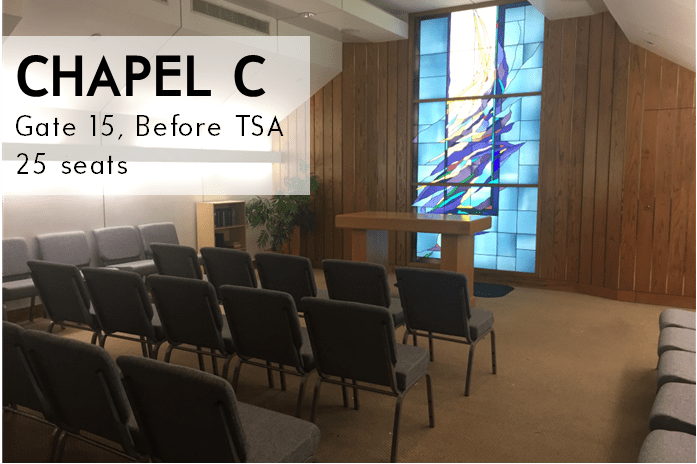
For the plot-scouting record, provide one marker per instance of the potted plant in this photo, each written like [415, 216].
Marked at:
[281, 214]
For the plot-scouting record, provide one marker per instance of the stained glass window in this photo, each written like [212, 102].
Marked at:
[477, 127]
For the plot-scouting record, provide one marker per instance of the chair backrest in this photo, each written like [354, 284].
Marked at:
[121, 301]
[116, 245]
[352, 340]
[83, 386]
[176, 260]
[188, 310]
[63, 292]
[264, 324]
[160, 232]
[65, 248]
[184, 415]
[287, 273]
[356, 281]
[18, 386]
[434, 300]
[225, 266]
[15, 254]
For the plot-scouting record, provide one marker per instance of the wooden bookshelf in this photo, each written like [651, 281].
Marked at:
[225, 220]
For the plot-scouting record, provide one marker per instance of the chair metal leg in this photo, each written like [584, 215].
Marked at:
[283, 378]
[493, 352]
[102, 339]
[416, 343]
[214, 360]
[236, 374]
[344, 394]
[154, 349]
[301, 393]
[469, 369]
[355, 396]
[315, 399]
[269, 374]
[201, 364]
[95, 336]
[226, 367]
[430, 345]
[59, 447]
[144, 347]
[50, 327]
[429, 394]
[168, 353]
[31, 309]
[405, 337]
[395, 430]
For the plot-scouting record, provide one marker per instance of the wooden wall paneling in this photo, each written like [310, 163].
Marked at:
[303, 134]
[578, 121]
[404, 137]
[590, 148]
[548, 147]
[686, 88]
[667, 119]
[361, 203]
[348, 135]
[630, 191]
[602, 159]
[689, 117]
[647, 174]
[371, 121]
[381, 148]
[337, 165]
[616, 164]
[328, 184]
[318, 252]
[392, 83]
[313, 170]
[563, 148]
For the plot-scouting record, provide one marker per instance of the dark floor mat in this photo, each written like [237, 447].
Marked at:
[486, 290]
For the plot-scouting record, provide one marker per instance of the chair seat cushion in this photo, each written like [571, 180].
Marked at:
[412, 363]
[676, 366]
[276, 437]
[674, 408]
[673, 317]
[675, 338]
[18, 289]
[480, 322]
[306, 355]
[667, 446]
[143, 267]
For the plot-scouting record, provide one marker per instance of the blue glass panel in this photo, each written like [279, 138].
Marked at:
[529, 153]
[525, 80]
[527, 199]
[525, 261]
[534, 25]
[527, 174]
[427, 174]
[530, 130]
[434, 65]
[432, 87]
[532, 55]
[527, 222]
[507, 221]
[515, 14]
[525, 242]
[429, 153]
[509, 170]
[506, 245]
[513, 34]
[485, 244]
[505, 264]
[530, 108]
[427, 245]
[514, 55]
[484, 261]
[508, 199]
[512, 133]
[494, 224]
[433, 112]
[432, 133]
[434, 36]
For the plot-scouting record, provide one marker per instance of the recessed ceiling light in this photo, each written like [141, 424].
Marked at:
[306, 14]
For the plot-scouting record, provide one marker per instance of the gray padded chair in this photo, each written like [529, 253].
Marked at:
[65, 248]
[437, 302]
[161, 232]
[225, 266]
[667, 446]
[120, 246]
[676, 338]
[265, 326]
[176, 261]
[673, 317]
[65, 296]
[287, 273]
[674, 408]
[356, 341]
[190, 315]
[16, 279]
[190, 416]
[121, 303]
[83, 386]
[676, 366]
[360, 282]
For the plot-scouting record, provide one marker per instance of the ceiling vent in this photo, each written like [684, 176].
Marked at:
[233, 17]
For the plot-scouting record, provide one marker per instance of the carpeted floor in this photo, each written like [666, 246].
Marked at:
[575, 382]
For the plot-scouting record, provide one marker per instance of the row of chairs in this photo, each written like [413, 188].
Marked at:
[145, 407]
[672, 418]
[124, 245]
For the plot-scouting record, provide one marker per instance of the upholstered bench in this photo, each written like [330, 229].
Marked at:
[674, 408]
[676, 338]
[673, 317]
[676, 366]
[668, 446]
